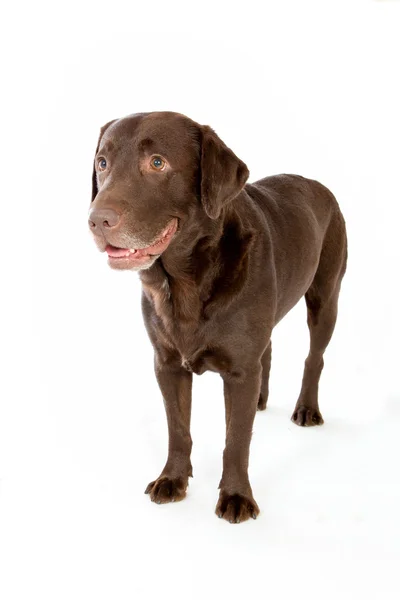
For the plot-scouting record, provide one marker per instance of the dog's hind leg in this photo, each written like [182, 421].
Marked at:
[322, 306]
[266, 367]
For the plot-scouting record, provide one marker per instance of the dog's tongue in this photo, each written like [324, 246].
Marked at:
[125, 252]
[116, 252]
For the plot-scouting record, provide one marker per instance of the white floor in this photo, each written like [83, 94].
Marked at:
[82, 426]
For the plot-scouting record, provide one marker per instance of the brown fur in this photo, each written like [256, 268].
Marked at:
[242, 257]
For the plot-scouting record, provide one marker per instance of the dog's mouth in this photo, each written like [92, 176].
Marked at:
[139, 256]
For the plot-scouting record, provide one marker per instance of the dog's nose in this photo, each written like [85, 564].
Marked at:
[103, 218]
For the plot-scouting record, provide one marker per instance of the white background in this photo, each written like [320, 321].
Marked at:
[298, 87]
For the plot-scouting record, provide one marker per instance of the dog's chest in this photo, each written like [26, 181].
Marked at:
[194, 344]
[183, 334]
[208, 359]
[198, 349]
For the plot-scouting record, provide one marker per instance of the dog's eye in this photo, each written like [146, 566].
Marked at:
[157, 163]
[102, 164]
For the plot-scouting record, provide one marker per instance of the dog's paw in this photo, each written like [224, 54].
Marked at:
[262, 403]
[306, 416]
[164, 490]
[236, 508]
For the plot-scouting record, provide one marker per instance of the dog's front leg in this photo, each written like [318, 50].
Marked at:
[236, 502]
[176, 387]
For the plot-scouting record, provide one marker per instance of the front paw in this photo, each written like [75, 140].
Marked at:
[307, 416]
[236, 508]
[164, 489]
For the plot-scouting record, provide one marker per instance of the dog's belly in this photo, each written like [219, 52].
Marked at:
[286, 301]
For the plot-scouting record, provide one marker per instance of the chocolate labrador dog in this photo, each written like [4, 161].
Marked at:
[221, 262]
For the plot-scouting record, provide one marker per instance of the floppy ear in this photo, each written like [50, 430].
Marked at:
[94, 178]
[223, 174]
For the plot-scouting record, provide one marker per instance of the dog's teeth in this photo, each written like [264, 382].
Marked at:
[132, 250]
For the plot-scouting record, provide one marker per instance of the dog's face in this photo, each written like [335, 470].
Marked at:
[153, 174]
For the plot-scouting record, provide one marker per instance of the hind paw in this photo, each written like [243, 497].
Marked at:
[262, 403]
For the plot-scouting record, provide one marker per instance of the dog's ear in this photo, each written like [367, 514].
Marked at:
[223, 174]
[94, 178]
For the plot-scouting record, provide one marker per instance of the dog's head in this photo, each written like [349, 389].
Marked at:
[154, 174]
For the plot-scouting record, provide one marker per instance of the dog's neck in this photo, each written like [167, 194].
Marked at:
[193, 277]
